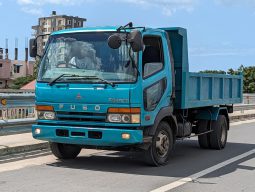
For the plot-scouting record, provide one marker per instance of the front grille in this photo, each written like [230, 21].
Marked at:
[80, 116]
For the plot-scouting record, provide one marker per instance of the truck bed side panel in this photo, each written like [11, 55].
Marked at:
[200, 90]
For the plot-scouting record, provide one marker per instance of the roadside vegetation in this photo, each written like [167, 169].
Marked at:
[21, 81]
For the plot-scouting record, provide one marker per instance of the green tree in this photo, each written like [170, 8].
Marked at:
[248, 77]
[21, 81]
[213, 71]
[36, 67]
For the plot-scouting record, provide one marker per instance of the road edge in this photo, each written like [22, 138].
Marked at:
[23, 148]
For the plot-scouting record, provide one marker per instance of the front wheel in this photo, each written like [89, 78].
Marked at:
[65, 151]
[162, 145]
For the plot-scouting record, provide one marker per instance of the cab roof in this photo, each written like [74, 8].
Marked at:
[94, 29]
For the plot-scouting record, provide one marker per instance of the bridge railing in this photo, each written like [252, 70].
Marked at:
[21, 106]
[249, 98]
[18, 106]
[17, 91]
[18, 112]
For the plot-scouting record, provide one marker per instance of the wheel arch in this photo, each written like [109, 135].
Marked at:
[213, 113]
[165, 114]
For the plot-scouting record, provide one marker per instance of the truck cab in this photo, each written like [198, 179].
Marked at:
[127, 88]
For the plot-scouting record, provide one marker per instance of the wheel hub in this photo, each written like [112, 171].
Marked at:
[162, 144]
[223, 135]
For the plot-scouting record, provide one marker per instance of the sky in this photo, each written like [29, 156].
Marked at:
[220, 32]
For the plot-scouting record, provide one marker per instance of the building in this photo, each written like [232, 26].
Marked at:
[46, 25]
[1, 53]
[29, 86]
[12, 69]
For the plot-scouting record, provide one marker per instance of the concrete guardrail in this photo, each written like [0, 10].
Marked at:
[20, 107]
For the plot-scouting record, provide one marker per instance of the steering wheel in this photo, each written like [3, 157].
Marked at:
[66, 65]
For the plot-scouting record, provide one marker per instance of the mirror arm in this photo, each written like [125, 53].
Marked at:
[130, 25]
[133, 62]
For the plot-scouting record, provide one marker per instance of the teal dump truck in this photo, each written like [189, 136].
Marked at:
[128, 88]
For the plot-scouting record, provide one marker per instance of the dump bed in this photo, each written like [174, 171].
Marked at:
[198, 89]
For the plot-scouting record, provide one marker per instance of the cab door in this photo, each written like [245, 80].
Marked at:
[156, 74]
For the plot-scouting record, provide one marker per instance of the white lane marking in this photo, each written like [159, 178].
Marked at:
[182, 181]
[242, 122]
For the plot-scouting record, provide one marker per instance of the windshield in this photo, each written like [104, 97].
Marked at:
[87, 54]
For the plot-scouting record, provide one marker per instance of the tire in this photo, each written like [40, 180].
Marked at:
[65, 151]
[203, 140]
[161, 147]
[218, 138]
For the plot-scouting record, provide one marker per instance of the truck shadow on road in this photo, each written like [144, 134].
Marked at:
[187, 159]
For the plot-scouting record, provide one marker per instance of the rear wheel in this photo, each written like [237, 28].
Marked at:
[162, 145]
[216, 139]
[65, 151]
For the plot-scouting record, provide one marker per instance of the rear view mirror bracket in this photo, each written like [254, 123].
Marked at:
[134, 38]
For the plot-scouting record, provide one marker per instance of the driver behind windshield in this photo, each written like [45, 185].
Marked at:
[83, 55]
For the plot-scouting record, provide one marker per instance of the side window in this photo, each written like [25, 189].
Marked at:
[153, 57]
[153, 94]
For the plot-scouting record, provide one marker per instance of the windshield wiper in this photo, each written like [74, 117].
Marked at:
[81, 77]
[96, 77]
[59, 77]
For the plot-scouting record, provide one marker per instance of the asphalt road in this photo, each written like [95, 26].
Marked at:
[191, 169]
[12, 130]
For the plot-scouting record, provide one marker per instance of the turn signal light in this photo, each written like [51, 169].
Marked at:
[124, 110]
[44, 108]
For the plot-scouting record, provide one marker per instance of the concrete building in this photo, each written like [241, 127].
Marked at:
[12, 69]
[46, 25]
[1, 53]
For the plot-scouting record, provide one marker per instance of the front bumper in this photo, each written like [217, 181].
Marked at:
[107, 136]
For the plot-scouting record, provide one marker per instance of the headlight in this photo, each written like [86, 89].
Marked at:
[115, 118]
[47, 115]
[123, 118]
[123, 115]
[45, 112]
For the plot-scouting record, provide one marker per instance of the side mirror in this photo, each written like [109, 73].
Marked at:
[136, 40]
[114, 41]
[32, 48]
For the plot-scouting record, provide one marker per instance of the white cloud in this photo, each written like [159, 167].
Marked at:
[34, 7]
[168, 7]
[43, 2]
